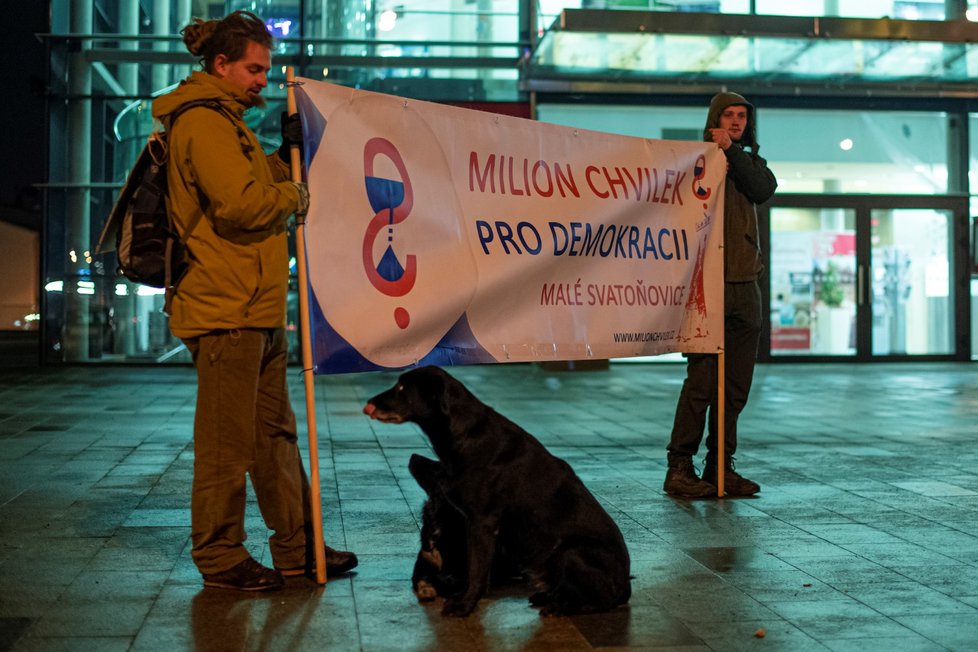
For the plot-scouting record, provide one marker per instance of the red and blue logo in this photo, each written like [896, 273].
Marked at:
[391, 201]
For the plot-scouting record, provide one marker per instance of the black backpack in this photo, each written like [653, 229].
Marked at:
[139, 228]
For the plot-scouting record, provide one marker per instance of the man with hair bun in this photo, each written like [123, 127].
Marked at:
[230, 203]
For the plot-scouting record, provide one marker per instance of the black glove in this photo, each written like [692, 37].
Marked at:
[291, 135]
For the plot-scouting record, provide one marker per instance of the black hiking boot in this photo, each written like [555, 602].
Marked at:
[682, 481]
[734, 484]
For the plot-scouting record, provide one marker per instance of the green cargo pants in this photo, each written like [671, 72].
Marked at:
[244, 425]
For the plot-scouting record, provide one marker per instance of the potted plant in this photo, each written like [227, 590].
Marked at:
[831, 292]
[833, 320]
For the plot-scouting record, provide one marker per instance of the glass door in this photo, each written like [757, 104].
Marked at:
[911, 291]
[812, 276]
[866, 277]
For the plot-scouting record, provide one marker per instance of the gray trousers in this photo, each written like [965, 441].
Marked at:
[742, 310]
[244, 425]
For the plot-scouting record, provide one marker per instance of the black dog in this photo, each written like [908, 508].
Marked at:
[440, 567]
[512, 495]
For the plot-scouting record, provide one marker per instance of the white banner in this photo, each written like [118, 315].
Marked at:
[439, 235]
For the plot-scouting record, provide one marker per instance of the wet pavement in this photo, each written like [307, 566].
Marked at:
[864, 536]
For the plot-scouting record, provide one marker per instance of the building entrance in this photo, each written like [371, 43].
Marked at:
[866, 277]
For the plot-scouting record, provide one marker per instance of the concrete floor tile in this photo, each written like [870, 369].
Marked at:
[934, 488]
[849, 533]
[954, 632]
[969, 599]
[150, 517]
[635, 626]
[846, 569]
[775, 586]
[12, 629]
[94, 618]
[725, 560]
[753, 635]
[74, 644]
[954, 580]
[389, 566]
[902, 553]
[908, 599]
[905, 643]
[839, 619]
[97, 585]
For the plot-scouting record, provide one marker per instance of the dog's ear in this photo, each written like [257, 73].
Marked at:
[459, 405]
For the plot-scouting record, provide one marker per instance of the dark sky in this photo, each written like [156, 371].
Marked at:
[22, 109]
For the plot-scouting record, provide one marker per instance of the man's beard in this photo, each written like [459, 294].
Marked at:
[257, 101]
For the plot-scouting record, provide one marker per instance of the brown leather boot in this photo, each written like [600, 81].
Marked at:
[682, 481]
[337, 563]
[734, 484]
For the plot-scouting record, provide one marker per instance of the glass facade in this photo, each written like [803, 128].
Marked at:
[109, 58]
[835, 151]
[813, 274]
[710, 57]
[104, 83]
[792, 47]
[900, 9]
[874, 152]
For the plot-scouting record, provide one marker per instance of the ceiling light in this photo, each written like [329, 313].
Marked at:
[387, 21]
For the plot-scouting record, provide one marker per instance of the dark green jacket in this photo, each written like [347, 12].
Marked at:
[749, 182]
[234, 201]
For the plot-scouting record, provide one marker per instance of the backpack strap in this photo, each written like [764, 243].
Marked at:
[214, 105]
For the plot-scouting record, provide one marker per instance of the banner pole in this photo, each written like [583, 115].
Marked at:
[721, 362]
[315, 497]
[721, 428]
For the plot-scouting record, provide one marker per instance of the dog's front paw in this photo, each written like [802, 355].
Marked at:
[457, 607]
[425, 591]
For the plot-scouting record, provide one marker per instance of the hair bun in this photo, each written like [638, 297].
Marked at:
[196, 35]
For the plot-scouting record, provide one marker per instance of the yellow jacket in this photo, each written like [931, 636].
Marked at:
[235, 200]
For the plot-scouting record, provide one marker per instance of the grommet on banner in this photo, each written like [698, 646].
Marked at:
[589, 353]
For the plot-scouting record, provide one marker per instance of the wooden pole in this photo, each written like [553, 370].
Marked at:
[315, 497]
[721, 363]
[721, 429]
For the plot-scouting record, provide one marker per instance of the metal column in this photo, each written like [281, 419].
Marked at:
[78, 204]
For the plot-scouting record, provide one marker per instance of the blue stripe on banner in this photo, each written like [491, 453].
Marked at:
[313, 127]
[338, 356]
